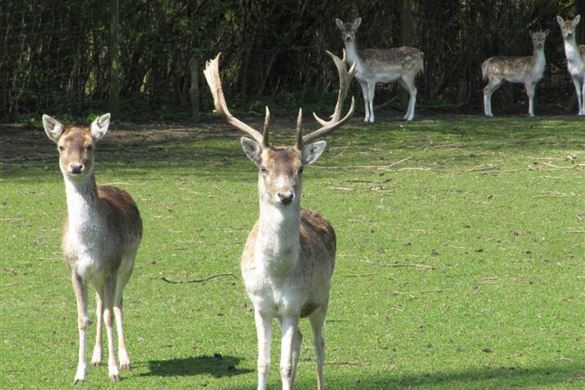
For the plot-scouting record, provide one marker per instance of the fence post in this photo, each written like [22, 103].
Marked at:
[115, 58]
[194, 88]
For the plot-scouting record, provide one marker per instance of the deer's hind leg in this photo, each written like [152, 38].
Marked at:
[121, 282]
[407, 81]
[493, 84]
[317, 320]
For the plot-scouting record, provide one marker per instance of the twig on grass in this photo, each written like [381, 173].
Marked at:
[356, 275]
[486, 167]
[555, 194]
[164, 279]
[413, 294]
[402, 265]
[397, 162]
[419, 266]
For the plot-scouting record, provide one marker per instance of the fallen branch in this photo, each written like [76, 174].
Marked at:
[357, 275]
[420, 266]
[164, 279]
[397, 162]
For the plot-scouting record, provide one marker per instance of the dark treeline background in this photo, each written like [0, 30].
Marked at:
[63, 56]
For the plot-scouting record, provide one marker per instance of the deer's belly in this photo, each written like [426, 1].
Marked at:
[275, 300]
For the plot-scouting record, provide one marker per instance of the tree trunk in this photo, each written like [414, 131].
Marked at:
[194, 88]
[115, 58]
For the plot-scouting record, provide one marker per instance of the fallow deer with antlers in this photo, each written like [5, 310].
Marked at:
[101, 234]
[575, 58]
[288, 259]
[373, 66]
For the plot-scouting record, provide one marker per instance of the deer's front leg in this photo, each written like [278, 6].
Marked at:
[579, 92]
[264, 335]
[289, 329]
[365, 94]
[371, 93]
[80, 291]
[96, 358]
[582, 96]
[530, 92]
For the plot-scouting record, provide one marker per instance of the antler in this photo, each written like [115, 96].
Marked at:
[211, 73]
[336, 121]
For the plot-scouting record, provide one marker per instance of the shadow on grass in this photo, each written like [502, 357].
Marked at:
[214, 146]
[570, 375]
[218, 366]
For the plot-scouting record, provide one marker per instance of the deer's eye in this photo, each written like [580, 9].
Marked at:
[300, 170]
[264, 170]
[88, 148]
[61, 148]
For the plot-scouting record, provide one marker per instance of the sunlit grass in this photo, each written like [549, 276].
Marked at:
[461, 258]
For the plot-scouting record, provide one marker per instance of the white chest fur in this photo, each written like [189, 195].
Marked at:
[84, 229]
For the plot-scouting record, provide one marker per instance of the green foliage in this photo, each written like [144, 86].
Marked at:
[459, 266]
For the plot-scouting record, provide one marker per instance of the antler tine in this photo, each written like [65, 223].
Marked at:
[299, 142]
[336, 121]
[211, 73]
[266, 128]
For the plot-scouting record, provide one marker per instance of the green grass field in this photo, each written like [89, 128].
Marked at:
[460, 264]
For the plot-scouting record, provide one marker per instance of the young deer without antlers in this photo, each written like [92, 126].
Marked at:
[289, 256]
[101, 235]
[373, 66]
[575, 58]
[527, 70]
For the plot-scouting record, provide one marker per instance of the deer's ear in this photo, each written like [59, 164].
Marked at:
[576, 20]
[53, 128]
[252, 149]
[99, 127]
[339, 23]
[560, 20]
[312, 152]
[356, 23]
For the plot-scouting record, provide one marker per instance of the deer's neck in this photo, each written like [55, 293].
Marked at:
[278, 241]
[572, 51]
[539, 61]
[352, 52]
[82, 204]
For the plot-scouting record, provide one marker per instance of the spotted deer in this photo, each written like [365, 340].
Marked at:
[101, 234]
[575, 58]
[526, 70]
[288, 258]
[373, 66]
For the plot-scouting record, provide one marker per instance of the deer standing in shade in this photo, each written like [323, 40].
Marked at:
[288, 259]
[526, 70]
[575, 58]
[101, 234]
[373, 66]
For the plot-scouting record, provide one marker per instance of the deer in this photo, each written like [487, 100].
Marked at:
[527, 70]
[575, 58]
[100, 238]
[373, 66]
[288, 259]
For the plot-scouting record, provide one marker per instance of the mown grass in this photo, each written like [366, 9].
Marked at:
[461, 257]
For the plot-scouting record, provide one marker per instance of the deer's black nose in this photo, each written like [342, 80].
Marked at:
[285, 197]
[76, 168]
